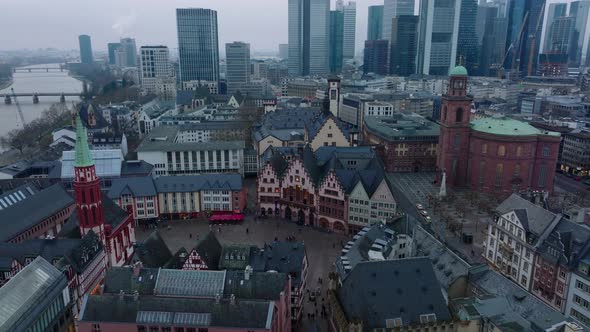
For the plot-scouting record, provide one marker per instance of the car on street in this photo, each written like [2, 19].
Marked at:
[419, 207]
[424, 213]
[428, 219]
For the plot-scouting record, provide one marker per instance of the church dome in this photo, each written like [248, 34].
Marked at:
[458, 71]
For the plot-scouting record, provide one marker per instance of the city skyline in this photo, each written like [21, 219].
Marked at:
[110, 20]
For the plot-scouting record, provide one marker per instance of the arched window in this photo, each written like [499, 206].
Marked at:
[459, 115]
[519, 151]
[484, 148]
[501, 150]
[444, 115]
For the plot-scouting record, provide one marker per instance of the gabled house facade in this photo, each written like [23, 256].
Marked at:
[341, 189]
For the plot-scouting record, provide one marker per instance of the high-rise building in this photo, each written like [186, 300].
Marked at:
[85, 49]
[524, 47]
[128, 46]
[238, 65]
[375, 24]
[375, 59]
[154, 65]
[554, 11]
[393, 8]
[581, 43]
[493, 41]
[308, 37]
[438, 32]
[336, 40]
[284, 51]
[467, 43]
[404, 37]
[560, 35]
[349, 27]
[113, 47]
[198, 46]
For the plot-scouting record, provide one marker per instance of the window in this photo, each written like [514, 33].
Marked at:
[501, 150]
[545, 151]
[484, 148]
[329, 135]
[517, 170]
[499, 174]
[456, 141]
[542, 175]
[519, 151]
[154, 329]
[459, 115]
[95, 327]
[523, 280]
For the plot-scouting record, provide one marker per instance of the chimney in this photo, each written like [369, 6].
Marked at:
[247, 272]
[232, 299]
[121, 295]
[137, 268]
[135, 296]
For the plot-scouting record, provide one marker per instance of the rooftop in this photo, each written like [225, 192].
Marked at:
[190, 183]
[163, 139]
[402, 127]
[135, 186]
[107, 163]
[508, 127]
[24, 293]
[190, 283]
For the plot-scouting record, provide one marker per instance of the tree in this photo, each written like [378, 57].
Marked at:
[16, 139]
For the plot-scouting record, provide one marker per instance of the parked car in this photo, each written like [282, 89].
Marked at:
[424, 213]
[419, 206]
[428, 219]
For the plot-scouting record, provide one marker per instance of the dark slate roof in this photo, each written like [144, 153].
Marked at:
[177, 261]
[566, 244]
[76, 252]
[490, 283]
[31, 211]
[284, 123]
[119, 279]
[201, 312]
[534, 218]
[260, 286]
[135, 167]
[190, 183]
[235, 256]
[372, 290]
[153, 251]
[101, 122]
[209, 249]
[135, 186]
[285, 257]
[19, 193]
[184, 97]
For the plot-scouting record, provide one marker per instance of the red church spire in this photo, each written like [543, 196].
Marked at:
[87, 187]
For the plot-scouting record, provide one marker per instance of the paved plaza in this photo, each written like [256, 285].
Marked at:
[322, 248]
[460, 213]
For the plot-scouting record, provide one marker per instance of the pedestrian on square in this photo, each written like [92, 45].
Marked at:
[247, 230]
[190, 235]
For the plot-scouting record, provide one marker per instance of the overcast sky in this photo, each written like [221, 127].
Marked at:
[57, 23]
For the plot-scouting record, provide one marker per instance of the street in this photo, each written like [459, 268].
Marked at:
[570, 185]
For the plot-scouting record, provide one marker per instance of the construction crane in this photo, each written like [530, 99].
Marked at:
[534, 42]
[18, 109]
[514, 48]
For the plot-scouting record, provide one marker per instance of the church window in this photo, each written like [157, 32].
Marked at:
[501, 151]
[459, 115]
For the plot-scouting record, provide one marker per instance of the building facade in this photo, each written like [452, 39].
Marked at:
[336, 41]
[309, 25]
[237, 56]
[129, 50]
[438, 34]
[394, 8]
[575, 158]
[86, 56]
[349, 27]
[198, 46]
[375, 23]
[375, 57]
[405, 143]
[404, 38]
[154, 65]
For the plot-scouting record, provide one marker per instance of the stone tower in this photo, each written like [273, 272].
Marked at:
[453, 142]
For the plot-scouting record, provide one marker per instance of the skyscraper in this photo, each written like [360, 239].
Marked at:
[336, 40]
[525, 47]
[284, 51]
[554, 11]
[581, 43]
[560, 35]
[198, 46]
[393, 8]
[467, 43]
[375, 57]
[154, 65]
[238, 65]
[404, 37]
[349, 27]
[308, 37]
[375, 24]
[112, 49]
[493, 40]
[85, 49]
[438, 32]
[128, 46]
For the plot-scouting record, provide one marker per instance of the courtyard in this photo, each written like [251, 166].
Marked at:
[322, 248]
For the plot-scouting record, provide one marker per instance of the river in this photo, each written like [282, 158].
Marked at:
[39, 82]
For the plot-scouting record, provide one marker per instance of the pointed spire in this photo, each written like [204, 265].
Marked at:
[83, 157]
